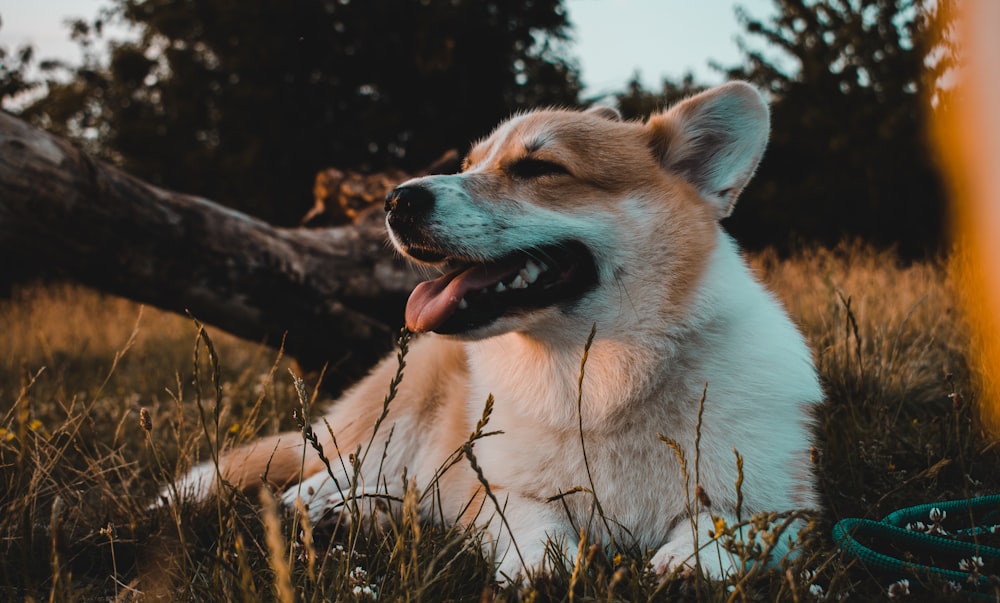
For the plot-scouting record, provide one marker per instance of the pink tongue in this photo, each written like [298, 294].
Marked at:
[433, 302]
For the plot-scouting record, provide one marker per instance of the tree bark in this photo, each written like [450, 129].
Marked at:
[332, 295]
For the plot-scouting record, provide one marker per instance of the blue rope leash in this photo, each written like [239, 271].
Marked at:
[892, 529]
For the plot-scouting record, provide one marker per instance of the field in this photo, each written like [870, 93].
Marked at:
[102, 402]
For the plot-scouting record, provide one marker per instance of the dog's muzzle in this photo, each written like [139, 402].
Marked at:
[407, 210]
[406, 205]
[474, 292]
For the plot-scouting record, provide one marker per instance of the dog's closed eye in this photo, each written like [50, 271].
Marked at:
[530, 167]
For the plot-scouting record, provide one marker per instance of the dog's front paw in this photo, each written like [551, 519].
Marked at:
[198, 484]
[674, 559]
[680, 557]
[510, 571]
[518, 565]
[686, 555]
[321, 498]
[330, 504]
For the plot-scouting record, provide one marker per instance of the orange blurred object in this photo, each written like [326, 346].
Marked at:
[968, 140]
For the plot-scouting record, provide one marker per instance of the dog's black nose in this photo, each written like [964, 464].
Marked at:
[409, 201]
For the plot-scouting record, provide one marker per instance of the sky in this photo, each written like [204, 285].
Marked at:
[658, 38]
[612, 39]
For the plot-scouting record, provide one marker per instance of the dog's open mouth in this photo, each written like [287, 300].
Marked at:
[475, 294]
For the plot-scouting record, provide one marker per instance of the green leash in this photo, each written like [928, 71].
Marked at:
[929, 539]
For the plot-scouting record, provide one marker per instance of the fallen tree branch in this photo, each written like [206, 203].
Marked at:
[336, 292]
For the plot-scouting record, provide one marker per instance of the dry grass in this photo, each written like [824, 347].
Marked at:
[891, 344]
[78, 465]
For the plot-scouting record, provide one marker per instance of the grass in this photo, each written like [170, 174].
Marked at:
[102, 401]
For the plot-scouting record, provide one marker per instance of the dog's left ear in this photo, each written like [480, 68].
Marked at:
[715, 140]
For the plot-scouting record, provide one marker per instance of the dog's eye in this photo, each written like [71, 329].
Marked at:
[534, 168]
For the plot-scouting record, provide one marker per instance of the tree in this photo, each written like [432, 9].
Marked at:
[636, 102]
[13, 68]
[245, 102]
[849, 152]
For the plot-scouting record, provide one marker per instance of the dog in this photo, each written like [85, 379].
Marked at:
[586, 290]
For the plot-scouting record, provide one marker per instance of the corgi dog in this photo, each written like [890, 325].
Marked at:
[588, 291]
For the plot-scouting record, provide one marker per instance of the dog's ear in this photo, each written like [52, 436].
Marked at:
[605, 111]
[714, 139]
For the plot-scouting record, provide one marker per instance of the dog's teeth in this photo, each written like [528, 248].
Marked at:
[530, 272]
[518, 283]
[500, 288]
[463, 305]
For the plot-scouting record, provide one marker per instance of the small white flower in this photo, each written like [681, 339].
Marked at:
[937, 516]
[816, 591]
[365, 590]
[954, 586]
[971, 564]
[899, 589]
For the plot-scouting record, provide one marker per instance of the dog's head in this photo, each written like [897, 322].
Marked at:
[577, 216]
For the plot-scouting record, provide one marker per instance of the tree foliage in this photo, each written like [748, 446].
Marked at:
[849, 154]
[635, 102]
[14, 65]
[245, 101]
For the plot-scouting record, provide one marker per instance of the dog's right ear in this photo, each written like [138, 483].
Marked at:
[715, 140]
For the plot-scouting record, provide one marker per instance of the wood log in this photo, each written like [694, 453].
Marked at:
[334, 295]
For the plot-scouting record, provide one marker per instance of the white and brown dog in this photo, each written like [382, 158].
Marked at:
[560, 222]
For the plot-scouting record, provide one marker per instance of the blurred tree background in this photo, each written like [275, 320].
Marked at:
[243, 102]
[851, 121]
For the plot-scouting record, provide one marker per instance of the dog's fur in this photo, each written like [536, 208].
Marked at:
[625, 214]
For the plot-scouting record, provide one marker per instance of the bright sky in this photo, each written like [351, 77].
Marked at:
[657, 38]
[612, 38]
